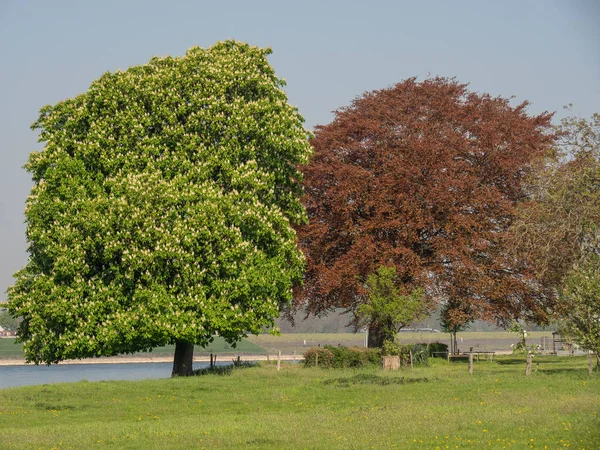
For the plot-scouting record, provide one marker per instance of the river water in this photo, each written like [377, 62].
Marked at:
[26, 375]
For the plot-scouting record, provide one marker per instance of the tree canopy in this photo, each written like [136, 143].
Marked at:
[580, 296]
[556, 230]
[162, 207]
[387, 310]
[424, 177]
[455, 316]
[557, 225]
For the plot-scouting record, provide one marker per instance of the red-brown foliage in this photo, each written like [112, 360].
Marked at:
[423, 176]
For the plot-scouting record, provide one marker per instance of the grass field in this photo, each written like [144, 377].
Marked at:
[8, 349]
[433, 407]
[287, 343]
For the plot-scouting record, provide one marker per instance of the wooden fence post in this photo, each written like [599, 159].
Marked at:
[278, 360]
[294, 355]
[471, 363]
[268, 358]
[317, 359]
[528, 367]
[411, 359]
[211, 360]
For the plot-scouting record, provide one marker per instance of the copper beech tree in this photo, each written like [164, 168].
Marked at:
[424, 177]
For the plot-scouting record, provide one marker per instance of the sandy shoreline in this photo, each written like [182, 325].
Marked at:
[155, 359]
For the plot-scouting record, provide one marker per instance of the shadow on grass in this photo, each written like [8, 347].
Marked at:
[53, 407]
[225, 370]
[265, 442]
[536, 360]
[564, 370]
[372, 379]
[511, 361]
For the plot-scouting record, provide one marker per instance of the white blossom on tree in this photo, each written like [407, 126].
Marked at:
[162, 208]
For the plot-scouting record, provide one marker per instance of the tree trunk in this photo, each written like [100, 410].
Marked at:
[376, 336]
[184, 357]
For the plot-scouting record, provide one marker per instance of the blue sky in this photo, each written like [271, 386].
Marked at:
[544, 51]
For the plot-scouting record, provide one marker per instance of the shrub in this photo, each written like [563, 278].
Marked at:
[419, 354]
[437, 350]
[324, 354]
[341, 357]
[354, 356]
[224, 370]
[390, 348]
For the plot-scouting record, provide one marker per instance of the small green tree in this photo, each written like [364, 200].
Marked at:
[521, 347]
[580, 297]
[388, 310]
[162, 209]
[455, 317]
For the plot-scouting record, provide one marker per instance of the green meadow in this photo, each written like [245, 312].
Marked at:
[439, 406]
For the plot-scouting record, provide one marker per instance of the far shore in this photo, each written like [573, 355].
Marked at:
[169, 359]
[156, 359]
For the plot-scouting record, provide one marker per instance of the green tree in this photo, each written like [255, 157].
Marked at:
[455, 317]
[162, 209]
[581, 304]
[557, 229]
[387, 308]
